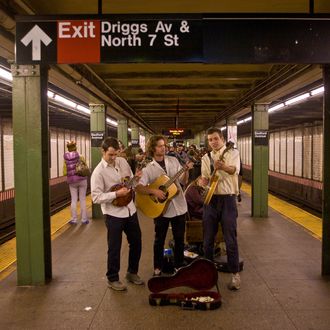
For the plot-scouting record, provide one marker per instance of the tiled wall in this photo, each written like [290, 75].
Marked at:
[297, 151]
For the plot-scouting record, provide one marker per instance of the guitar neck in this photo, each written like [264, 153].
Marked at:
[221, 158]
[175, 177]
[129, 184]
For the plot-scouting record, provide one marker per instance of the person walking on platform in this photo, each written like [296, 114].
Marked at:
[222, 206]
[77, 184]
[106, 189]
[175, 209]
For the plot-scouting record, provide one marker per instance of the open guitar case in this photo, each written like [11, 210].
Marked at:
[201, 275]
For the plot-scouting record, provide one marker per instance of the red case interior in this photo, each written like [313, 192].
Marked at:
[200, 275]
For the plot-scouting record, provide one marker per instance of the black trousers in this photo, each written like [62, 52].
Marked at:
[116, 226]
[223, 209]
[178, 229]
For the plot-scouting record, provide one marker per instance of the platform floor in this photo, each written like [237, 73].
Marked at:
[281, 284]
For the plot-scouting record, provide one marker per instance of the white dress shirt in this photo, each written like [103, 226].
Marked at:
[178, 205]
[228, 183]
[103, 178]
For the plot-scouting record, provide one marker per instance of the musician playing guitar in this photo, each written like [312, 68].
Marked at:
[107, 174]
[175, 209]
[225, 163]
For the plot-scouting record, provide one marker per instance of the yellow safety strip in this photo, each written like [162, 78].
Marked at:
[59, 223]
[307, 220]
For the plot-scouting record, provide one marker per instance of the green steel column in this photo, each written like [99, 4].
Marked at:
[135, 135]
[260, 160]
[142, 137]
[122, 131]
[197, 139]
[326, 174]
[98, 133]
[203, 139]
[31, 168]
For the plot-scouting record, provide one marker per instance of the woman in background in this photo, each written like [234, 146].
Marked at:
[77, 184]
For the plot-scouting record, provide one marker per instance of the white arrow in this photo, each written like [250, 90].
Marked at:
[36, 35]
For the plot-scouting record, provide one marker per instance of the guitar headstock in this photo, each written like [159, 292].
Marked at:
[143, 163]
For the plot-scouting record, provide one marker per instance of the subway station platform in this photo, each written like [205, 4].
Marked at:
[282, 287]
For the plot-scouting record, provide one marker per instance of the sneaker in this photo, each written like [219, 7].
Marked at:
[117, 286]
[73, 222]
[235, 282]
[157, 272]
[134, 278]
[85, 222]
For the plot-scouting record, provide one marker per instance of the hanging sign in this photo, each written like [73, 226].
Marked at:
[113, 39]
[191, 38]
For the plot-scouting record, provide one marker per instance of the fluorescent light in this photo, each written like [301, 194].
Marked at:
[244, 120]
[83, 109]
[6, 75]
[65, 101]
[297, 99]
[112, 122]
[50, 94]
[317, 91]
[276, 107]
[223, 128]
[129, 129]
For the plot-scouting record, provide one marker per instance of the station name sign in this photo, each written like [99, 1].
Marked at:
[157, 38]
[108, 40]
[178, 133]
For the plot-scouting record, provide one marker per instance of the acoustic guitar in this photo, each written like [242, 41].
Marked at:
[209, 190]
[129, 184]
[150, 205]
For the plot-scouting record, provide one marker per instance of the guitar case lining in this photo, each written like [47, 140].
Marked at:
[201, 275]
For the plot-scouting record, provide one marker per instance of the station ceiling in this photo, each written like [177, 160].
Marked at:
[195, 96]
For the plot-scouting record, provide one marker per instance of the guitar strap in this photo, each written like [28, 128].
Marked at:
[211, 162]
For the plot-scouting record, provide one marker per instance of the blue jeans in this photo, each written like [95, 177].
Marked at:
[78, 189]
[130, 226]
[223, 209]
[178, 229]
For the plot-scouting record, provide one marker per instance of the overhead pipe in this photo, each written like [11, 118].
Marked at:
[127, 108]
[7, 22]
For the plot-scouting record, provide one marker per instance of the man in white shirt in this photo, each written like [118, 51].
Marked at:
[109, 172]
[222, 207]
[175, 209]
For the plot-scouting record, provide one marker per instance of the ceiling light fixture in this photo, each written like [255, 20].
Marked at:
[276, 107]
[6, 75]
[317, 91]
[297, 98]
[65, 101]
[83, 109]
[112, 122]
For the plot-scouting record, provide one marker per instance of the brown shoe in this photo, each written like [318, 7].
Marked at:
[117, 286]
[134, 278]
